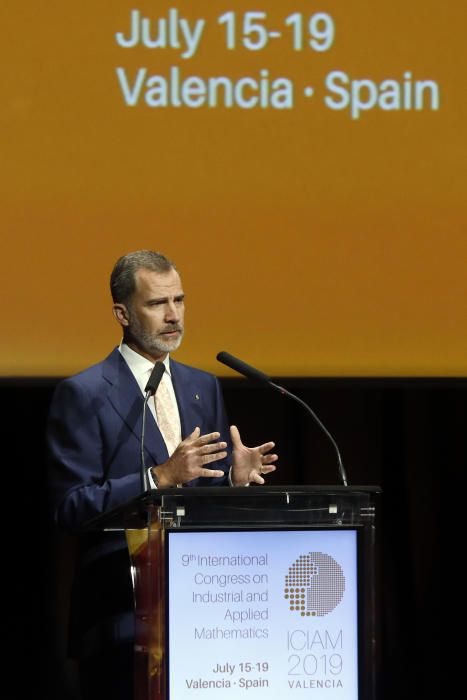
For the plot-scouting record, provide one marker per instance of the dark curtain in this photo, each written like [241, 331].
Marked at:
[405, 435]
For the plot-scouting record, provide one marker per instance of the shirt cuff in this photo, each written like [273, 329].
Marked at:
[230, 478]
[152, 483]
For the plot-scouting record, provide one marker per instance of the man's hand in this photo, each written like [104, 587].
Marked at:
[249, 463]
[189, 460]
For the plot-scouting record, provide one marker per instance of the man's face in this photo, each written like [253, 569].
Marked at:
[155, 313]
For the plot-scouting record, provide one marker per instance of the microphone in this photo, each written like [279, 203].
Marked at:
[155, 379]
[150, 390]
[242, 368]
[255, 374]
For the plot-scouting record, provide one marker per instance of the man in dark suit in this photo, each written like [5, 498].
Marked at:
[94, 455]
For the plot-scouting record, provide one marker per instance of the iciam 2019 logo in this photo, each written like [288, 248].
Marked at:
[314, 585]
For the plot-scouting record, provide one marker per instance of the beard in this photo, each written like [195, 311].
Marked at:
[153, 343]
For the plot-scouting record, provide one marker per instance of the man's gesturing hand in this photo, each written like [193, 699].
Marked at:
[189, 459]
[249, 463]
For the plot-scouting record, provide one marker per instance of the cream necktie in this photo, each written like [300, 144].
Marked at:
[167, 416]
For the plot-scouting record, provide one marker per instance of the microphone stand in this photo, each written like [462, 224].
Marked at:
[151, 388]
[144, 471]
[284, 392]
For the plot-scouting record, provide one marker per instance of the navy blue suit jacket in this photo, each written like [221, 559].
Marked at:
[94, 435]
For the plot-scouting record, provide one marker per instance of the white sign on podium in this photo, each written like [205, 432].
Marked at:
[273, 613]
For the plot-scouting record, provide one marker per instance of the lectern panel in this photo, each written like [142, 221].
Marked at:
[274, 612]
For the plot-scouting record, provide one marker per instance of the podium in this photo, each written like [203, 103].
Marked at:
[269, 590]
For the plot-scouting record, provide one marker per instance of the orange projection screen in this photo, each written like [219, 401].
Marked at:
[304, 164]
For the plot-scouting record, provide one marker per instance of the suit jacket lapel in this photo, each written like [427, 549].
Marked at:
[127, 400]
[187, 399]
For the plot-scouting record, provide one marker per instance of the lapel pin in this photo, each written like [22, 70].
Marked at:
[197, 397]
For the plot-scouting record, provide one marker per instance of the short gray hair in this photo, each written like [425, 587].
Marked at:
[122, 279]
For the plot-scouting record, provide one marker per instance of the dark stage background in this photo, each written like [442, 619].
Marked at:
[407, 436]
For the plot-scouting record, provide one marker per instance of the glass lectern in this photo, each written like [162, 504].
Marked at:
[266, 590]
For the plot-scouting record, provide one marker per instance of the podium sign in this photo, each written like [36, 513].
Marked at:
[273, 612]
[266, 590]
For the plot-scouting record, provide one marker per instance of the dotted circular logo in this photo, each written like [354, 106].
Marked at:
[314, 585]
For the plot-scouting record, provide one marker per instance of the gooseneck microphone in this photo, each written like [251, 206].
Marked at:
[150, 390]
[255, 374]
